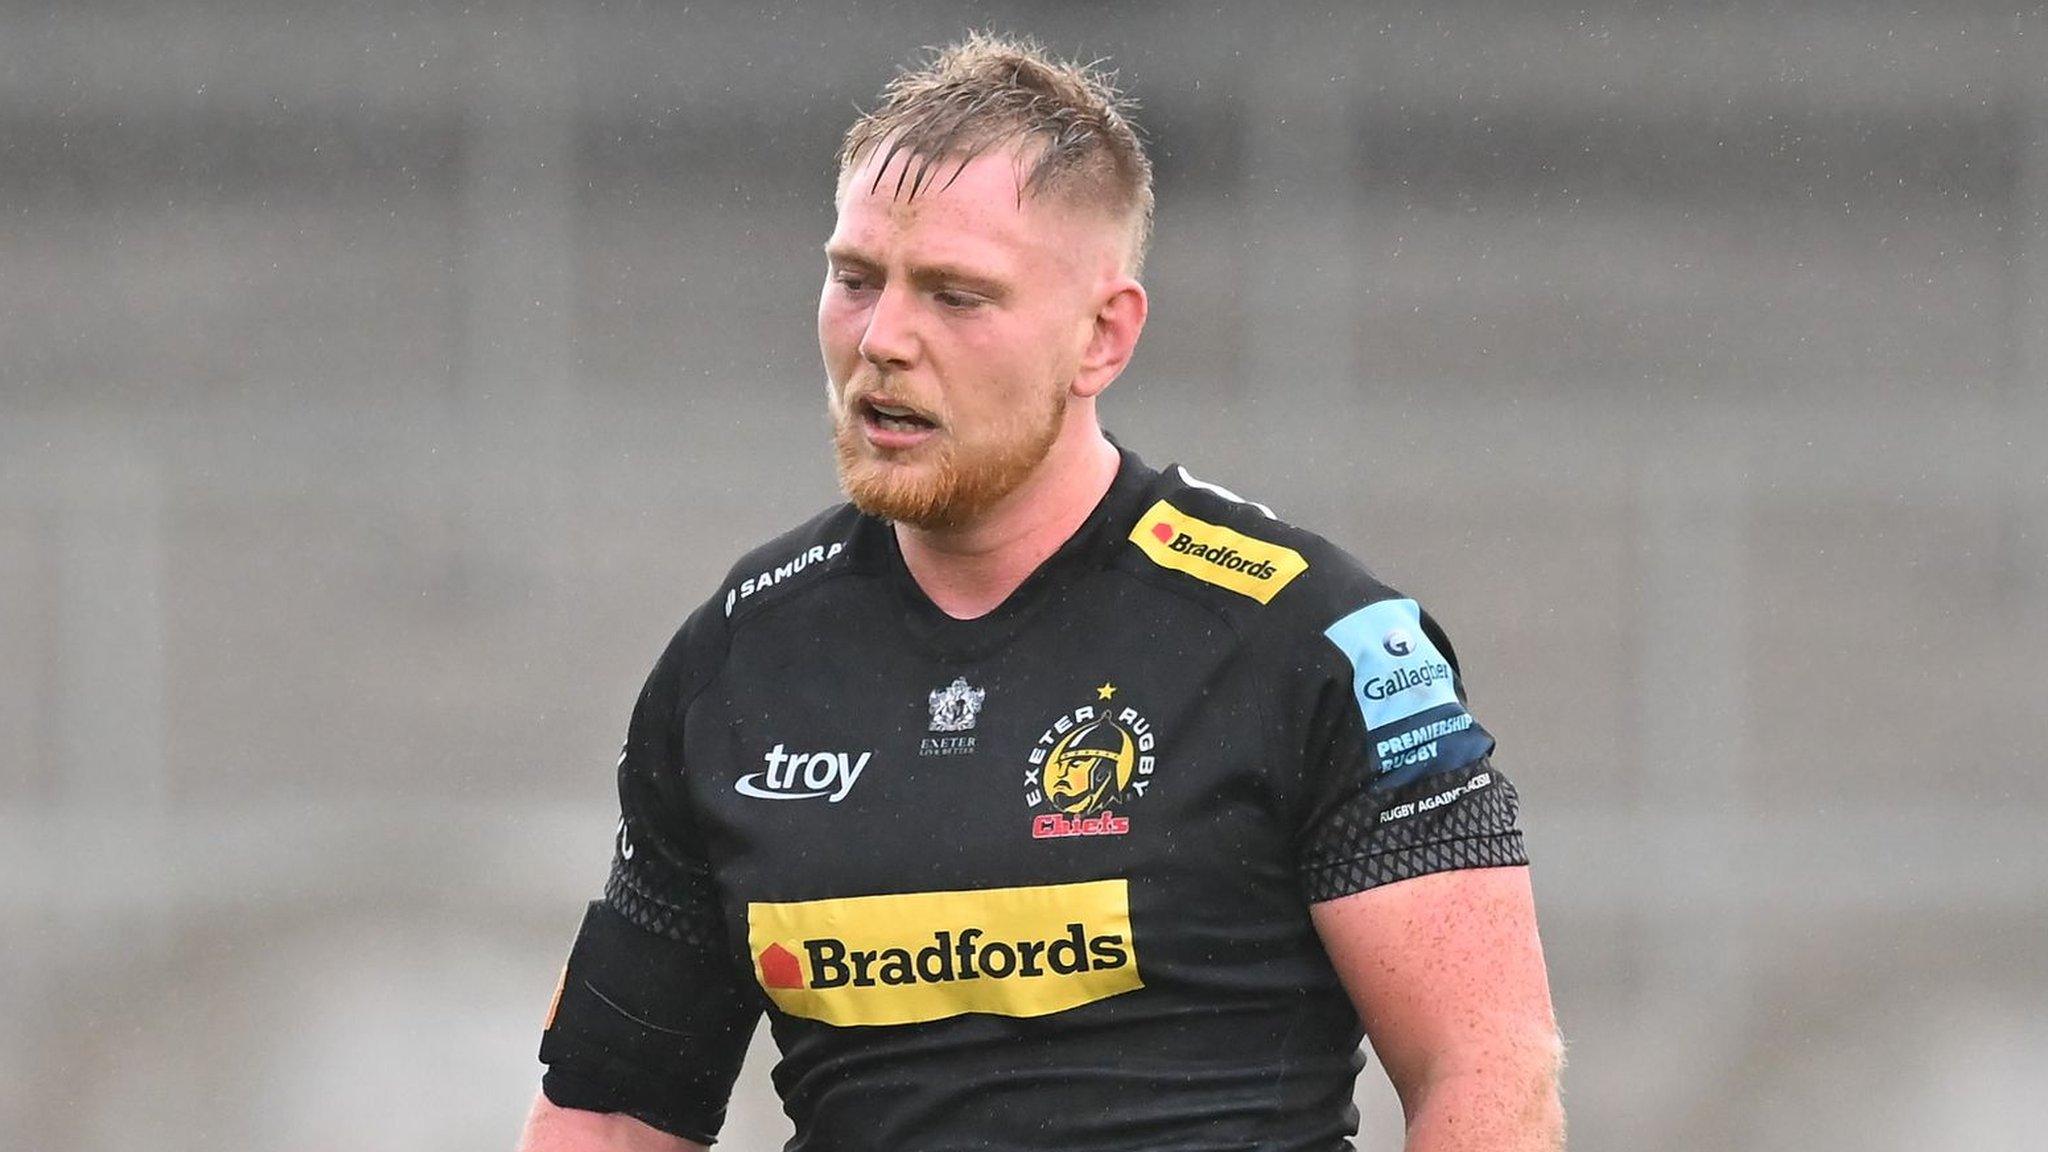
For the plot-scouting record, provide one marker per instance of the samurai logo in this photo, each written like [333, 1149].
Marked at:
[1090, 763]
[955, 706]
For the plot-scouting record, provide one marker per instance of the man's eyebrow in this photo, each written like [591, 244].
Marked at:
[937, 273]
[981, 282]
[845, 254]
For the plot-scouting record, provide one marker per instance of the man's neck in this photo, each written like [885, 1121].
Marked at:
[969, 570]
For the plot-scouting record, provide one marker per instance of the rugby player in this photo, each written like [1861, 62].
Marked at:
[1040, 798]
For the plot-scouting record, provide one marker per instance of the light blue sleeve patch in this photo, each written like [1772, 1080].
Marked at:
[1396, 671]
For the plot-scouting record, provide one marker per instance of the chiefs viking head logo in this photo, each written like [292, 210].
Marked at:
[1087, 768]
[1090, 767]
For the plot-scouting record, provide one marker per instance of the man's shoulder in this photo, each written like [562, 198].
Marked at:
[1243, 558]
[798, 560]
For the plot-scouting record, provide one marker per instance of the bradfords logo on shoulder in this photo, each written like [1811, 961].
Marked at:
[1215, 554]
[1091, 761]
[919, 956]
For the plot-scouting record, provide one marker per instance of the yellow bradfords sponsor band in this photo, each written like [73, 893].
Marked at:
[1211, 552]
[918, 956]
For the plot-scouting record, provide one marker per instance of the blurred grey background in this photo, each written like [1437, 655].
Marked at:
[380, 384]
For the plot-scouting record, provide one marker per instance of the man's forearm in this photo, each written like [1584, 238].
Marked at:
[553, 1129]
[1486, 1111]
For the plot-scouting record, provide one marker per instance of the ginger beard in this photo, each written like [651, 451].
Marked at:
[949, 481]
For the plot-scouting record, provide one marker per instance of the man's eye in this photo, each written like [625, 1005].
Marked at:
[955, 299]
[851, 281]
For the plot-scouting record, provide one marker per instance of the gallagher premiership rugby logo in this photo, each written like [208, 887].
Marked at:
[1092, 761]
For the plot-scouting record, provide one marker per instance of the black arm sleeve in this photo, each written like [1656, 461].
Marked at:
[653, 1020]
[1401, 783]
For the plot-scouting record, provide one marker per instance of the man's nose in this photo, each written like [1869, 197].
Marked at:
[890, 338]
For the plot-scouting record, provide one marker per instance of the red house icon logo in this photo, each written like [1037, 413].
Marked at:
[780, 968]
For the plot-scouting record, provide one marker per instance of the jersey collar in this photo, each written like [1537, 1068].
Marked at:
[1092, 547]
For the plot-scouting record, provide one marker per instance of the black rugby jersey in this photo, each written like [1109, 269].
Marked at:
[1039, 879]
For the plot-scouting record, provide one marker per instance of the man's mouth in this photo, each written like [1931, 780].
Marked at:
[894, 417]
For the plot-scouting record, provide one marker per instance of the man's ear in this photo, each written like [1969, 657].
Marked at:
[1119, 320]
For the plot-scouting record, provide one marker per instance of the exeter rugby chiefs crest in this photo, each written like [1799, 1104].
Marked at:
[955, 709]
[955, 706]
[1086, 768]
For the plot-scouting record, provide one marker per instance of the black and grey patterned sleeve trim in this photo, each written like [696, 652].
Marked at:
[1438, 824]
[1348, 877]
[676, 904]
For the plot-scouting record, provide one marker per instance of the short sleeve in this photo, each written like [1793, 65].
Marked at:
[652, 1019]
[1400, 781]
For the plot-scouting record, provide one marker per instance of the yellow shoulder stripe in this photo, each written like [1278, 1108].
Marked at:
[1215, 554]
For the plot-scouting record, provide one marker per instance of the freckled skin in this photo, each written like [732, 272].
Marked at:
[1447, 973]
